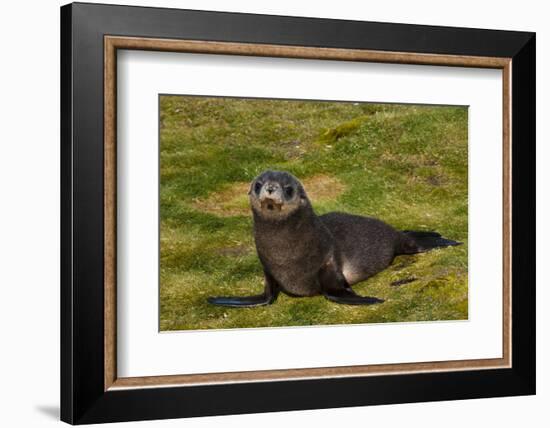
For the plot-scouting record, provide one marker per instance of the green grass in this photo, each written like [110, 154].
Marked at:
[406, 165]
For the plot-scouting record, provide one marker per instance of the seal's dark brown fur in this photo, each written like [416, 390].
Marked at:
[307, 255]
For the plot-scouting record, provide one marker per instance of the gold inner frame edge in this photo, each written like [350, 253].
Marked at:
[113, 43]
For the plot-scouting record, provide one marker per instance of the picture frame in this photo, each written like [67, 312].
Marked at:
[91, 391]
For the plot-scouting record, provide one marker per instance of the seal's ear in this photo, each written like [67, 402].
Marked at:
[303, 195]
[251, 187]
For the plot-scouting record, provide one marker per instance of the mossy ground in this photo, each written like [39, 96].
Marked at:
[406, 165]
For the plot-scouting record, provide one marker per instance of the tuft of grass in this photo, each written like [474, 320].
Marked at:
[405, 164]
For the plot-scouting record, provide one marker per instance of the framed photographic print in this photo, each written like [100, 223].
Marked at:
[265, 213]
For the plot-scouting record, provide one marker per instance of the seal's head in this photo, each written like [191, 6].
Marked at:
[275, 195]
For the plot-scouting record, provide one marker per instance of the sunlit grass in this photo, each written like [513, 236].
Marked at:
[404, 164]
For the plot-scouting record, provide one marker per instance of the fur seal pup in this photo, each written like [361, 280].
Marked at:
[303, 254]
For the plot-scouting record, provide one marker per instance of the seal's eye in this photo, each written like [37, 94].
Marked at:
[289, 191]
[257, 187]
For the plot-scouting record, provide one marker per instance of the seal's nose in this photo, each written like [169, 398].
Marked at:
[271, 191]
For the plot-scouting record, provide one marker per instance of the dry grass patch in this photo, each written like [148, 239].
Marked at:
[233, 201]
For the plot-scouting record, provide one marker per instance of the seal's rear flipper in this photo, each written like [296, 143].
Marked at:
[420, 242]
[348, 297]
[242, 302]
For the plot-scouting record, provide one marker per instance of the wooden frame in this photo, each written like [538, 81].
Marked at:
[112, 43]
[513, 53]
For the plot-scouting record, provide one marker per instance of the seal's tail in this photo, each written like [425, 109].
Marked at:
[420, 242]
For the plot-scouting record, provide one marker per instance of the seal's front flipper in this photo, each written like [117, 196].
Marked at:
[269, 295]
[348, 297]
[336, 289]
[242, 302]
